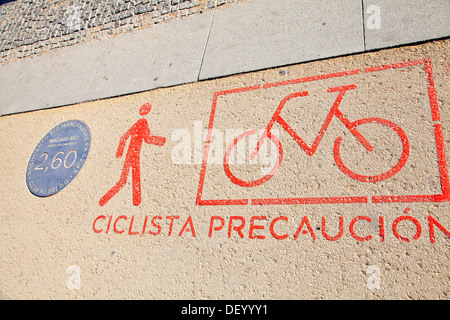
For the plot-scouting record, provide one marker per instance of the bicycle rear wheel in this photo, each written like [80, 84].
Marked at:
[385, 175]
[254, 182]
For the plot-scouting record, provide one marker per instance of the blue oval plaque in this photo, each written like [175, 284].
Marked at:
[58, 158]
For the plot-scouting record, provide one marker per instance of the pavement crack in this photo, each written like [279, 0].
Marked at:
[206, 45]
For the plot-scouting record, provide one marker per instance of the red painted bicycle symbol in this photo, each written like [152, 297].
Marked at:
[395, 149]
[310, 150]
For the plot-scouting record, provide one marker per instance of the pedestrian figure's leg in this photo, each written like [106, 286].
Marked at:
[136, 179]
[122, 181]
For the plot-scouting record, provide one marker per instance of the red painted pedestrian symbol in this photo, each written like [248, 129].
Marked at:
[138, 133]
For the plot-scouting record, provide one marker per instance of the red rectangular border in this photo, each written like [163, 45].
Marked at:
[439, 137]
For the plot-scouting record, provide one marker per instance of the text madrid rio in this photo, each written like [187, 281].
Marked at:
[261, 227]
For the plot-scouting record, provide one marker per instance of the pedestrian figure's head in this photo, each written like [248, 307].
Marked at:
[145, 109]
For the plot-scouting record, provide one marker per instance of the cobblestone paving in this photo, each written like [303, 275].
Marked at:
[32, 27]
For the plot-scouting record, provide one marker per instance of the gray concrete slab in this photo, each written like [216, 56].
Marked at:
[163, 55]
[10, 75]
[404, 21]
[56, 79]
[267, 33]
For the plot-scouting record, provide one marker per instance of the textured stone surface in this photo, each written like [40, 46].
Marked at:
[48, 244]
[129, 63]
[247, 36]
[29, 28]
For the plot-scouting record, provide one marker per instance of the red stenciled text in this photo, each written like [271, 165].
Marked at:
[147, 225]
[405, 228]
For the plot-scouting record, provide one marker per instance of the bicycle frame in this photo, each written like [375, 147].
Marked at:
[334, 111]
